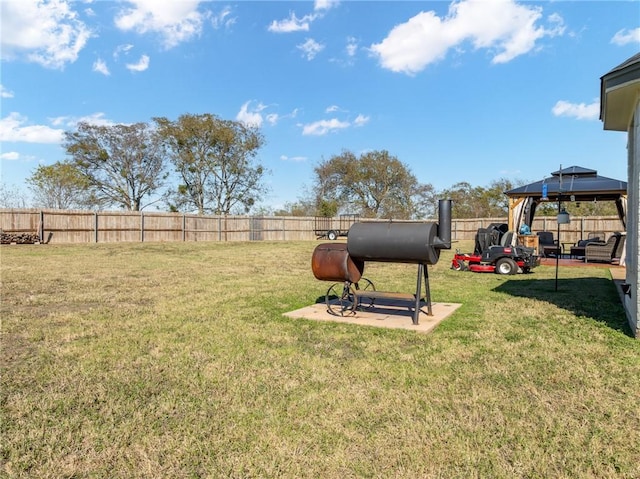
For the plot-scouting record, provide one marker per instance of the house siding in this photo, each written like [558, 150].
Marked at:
[632, 301]
[622, 84]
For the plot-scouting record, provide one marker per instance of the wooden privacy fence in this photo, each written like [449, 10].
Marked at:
[70, 226]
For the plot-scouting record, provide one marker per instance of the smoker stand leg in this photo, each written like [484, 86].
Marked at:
[427, 290]
[422, 271]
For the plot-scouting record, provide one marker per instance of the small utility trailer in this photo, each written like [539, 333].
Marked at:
[331, 228]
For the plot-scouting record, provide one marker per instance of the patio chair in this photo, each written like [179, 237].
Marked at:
[617, 253]
[603, 251]
[577, 250]
[547, 244]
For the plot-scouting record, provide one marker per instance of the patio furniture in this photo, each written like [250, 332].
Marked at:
[547, 245]
[617, 253]
[605, 251]
[577, 250]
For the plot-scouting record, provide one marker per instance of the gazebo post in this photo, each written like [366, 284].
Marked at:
[558, 253]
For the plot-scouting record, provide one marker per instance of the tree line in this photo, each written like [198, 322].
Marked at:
[209, 165]
[197, 163]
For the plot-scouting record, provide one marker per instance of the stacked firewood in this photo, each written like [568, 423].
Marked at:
[19, 238]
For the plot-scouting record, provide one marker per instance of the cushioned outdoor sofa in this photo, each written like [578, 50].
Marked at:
[605, 251]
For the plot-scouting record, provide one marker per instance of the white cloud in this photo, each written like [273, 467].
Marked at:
[293, 158]
[141, 66]
[303, 24]
[223, 19]
[332, 108]
[352, 46]
[512, 173]
[293, 114]
[505, 28]
[4, 93]
[624, 37]
[100, 66]
[254, 114]
[14, 128]
[579, 111]
[361, 120]
[291, 24]
[175, 22]
[10, 155]
[323, 127]
[70, 122]
[310, 48]
[97, 119]
[125, 48]
[47, 33]
[320, 5]
[251, 116]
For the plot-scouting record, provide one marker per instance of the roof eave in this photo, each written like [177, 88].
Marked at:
[620, 94]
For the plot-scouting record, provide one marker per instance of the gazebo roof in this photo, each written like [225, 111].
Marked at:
[582, 183]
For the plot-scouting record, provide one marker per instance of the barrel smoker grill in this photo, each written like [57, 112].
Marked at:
[390, 242]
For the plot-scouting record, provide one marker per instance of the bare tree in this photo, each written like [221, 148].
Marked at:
[12, 197]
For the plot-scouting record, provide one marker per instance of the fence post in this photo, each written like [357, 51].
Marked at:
[95, 226]
[141, 227]
[41, 228]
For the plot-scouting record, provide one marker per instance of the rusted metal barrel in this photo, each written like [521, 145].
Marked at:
[332, 262]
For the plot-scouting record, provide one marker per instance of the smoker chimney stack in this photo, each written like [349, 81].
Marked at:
[443, 241]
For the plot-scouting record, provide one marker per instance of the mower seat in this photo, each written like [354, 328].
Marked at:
[506, 240]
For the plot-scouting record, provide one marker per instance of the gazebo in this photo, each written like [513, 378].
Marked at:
[573, 183]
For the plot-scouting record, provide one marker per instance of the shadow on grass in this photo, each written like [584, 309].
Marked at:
[594, 298]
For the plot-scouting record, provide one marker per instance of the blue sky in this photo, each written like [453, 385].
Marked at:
[472, 90]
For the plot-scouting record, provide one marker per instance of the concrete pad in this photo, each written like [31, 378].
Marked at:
[618, 273]
[383, 314]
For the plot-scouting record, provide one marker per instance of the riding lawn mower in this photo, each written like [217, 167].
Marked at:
[496, 252]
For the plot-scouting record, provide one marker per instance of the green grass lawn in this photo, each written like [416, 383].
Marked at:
[174, 360]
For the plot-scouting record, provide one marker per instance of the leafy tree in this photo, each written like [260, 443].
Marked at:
[214, 159]
[497, 203]
[123, 164]
[462, 194]
[376, 183]
[578, 208]
[425, 201]
[590, 208]
[479, 202]
[305, 205]
[327, 208]
[61, 186]
[297, 208]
